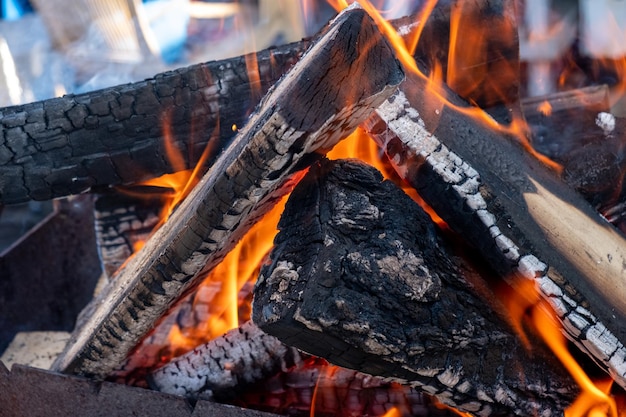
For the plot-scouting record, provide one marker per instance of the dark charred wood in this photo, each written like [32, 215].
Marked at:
[361, 276]
[122, 223]
[516, 211]
[241, 357]
[116, 135]
[306, 113]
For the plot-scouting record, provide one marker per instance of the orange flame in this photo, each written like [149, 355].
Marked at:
[524, 304]
[182, 180]
[517, 129]
[545, 108]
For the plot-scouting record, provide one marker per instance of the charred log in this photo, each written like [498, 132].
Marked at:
[516, 211]
[116, 135]
[361, 276]
[313, 107]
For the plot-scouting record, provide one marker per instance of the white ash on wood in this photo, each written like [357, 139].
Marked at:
[515, 211]
[308, 111]
[241, 357]
[359, 275]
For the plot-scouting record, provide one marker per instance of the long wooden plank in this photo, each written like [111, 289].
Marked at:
[349, 71]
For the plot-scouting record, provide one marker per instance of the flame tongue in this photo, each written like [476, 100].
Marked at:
[525, 306]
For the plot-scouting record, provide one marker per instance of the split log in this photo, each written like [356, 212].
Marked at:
[359, 275]
[516, 211]
[349, 71]
[116, 135]
[235, 368]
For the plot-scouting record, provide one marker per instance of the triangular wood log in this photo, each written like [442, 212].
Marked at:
[345, 75]
[361, 276]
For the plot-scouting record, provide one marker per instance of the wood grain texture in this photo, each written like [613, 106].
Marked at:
[361, 276]
[349, 71]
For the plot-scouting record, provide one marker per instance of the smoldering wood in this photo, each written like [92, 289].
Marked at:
[66, 145]
[307, 112]
[248, 366]
[122, 222]
[241, 357]
[116, 135]
[517, 212]
[360, 275]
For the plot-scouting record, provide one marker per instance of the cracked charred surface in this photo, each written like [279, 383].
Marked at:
[317, 103]
[116, 135]
[246, 366]
[360, 276]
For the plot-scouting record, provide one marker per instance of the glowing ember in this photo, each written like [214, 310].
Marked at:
[545, 108]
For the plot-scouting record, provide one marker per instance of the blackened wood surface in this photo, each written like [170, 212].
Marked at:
[66, 145]
[360, 276]
[347, 73]
[114, 136]
[576, 129]
[238, 359]
[514, 210]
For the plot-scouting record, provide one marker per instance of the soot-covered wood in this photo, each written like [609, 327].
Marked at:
[308, 111]
[360, 276]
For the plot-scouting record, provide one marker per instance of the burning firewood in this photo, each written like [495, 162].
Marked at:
[349, 71]
[360, 276]
[113, 136]
[514, 210]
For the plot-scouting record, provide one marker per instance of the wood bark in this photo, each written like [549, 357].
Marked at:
[113, 136]
[360, 276]
[515, 210]
[242, 357]
[314, 106]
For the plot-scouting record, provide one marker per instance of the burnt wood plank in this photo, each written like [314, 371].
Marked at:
[360, 275]
[349, 71]
[515, 210]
